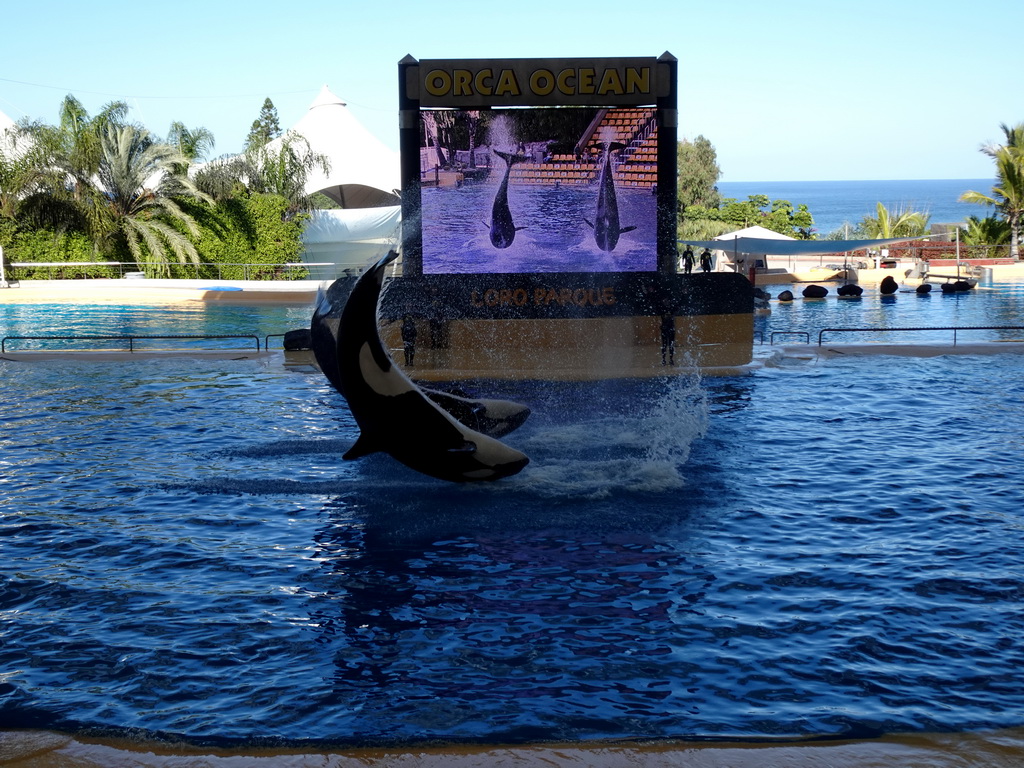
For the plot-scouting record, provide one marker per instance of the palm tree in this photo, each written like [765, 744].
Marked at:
[75, 143]
[191, 143]
[890, 223]
[66, 159]
[283, 169]
[133, 198]
[1008, 193]
[20, 176]
[990, 230]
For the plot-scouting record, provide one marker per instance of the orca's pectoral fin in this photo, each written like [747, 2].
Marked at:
[363, 447]
[627, 229]
[467, 447]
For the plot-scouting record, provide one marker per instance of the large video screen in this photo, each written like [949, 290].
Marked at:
[539, 190]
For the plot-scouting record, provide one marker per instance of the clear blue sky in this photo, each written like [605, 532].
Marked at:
[790, 90]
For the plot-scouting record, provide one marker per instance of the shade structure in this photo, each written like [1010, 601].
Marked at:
[764, 246]
[342, 241]
[7, 126]
[364, 172]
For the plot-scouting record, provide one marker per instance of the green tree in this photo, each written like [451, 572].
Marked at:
[283, 168]
[194, 144]
[133, 202]
[250, 230]
[777, 215]
[265, 128]
[74, 145]
[20, 176]
[1007, 195]
[66, 160]
[991, 232]
[892, 222]
[280, 167]
[703, 214]
[697, 174]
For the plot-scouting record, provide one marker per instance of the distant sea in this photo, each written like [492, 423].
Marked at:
[834, 203]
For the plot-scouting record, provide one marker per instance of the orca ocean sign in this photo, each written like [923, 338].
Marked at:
[538, 82]
[538, 165]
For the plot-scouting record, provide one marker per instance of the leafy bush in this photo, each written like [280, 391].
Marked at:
[43, 245]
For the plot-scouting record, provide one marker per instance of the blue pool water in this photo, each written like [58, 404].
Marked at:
[813, 548]
[996, 307]
[195, 319]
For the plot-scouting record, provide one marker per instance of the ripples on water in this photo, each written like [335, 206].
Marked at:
[811, 549]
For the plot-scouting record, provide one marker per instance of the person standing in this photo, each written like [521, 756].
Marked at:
[409, 339]
[688, 260]
[705, 260]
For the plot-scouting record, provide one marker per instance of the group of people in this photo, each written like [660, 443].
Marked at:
[687, 259]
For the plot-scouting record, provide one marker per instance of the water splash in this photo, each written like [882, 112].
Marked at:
[637, 444]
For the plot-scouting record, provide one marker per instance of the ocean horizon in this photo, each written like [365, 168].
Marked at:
[834, 204]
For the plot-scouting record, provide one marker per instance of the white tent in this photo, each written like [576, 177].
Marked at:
[741, 259]
[364, 173]
[755, 231]
[6, 142]
[348, 239]
[364, 179]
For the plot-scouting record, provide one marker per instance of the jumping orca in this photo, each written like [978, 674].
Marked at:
[503, 229]
[606, 222]
[492, 417]
[393, 414]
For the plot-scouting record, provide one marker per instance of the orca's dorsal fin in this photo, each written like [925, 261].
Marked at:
[363, 447]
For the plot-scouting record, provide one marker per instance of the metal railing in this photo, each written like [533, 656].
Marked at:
[258, 271]
[805, 334]
[954, 329]
[131, 339]
[269, 336]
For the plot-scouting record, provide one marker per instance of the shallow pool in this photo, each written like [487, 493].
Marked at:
[829, 548]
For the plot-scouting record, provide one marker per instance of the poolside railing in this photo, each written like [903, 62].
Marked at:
[131, 339]
[203, 270]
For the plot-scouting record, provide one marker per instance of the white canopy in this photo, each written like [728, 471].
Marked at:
[365, 173]
[348, 239]
[764, 246]
[756, 231]
[6, 140]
